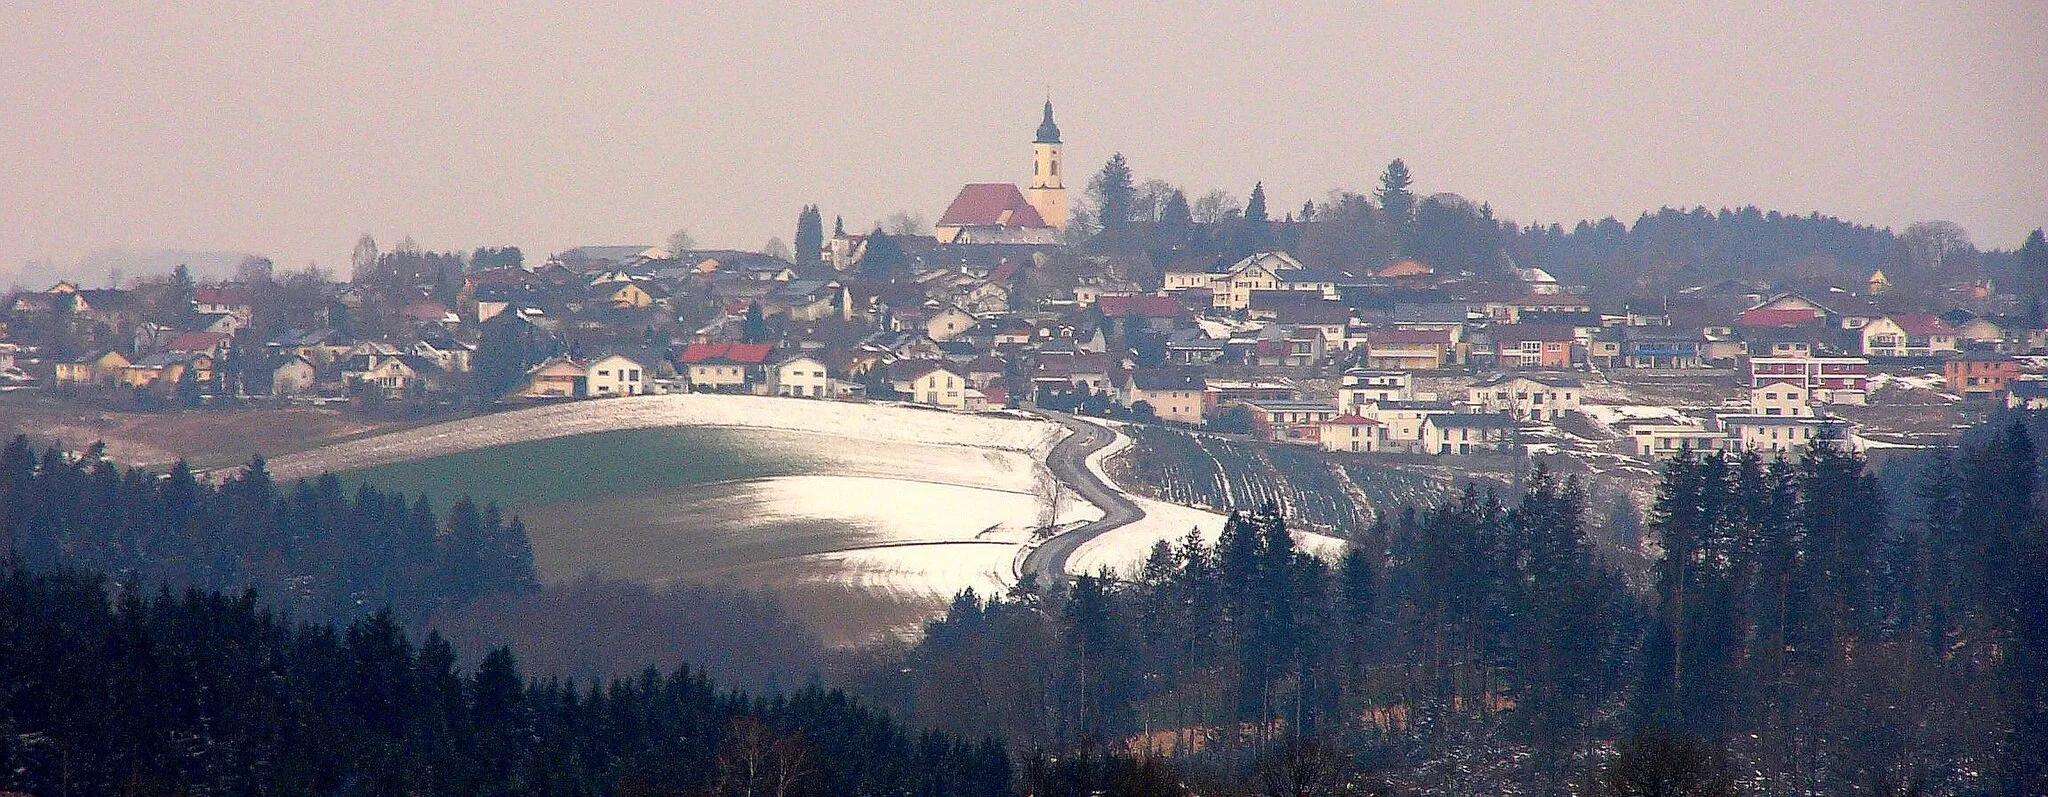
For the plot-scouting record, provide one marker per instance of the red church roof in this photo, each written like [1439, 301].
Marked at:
[991, 204]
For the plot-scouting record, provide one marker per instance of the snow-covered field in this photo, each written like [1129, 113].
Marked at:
[1124, 549]
[853, 422]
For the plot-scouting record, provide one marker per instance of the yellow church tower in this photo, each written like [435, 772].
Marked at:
[1048, 192]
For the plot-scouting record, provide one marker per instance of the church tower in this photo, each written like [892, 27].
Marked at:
[1048, 192]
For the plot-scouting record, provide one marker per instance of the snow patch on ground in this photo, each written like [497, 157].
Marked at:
[1123, 550]
[1608, 415]
[852, 421]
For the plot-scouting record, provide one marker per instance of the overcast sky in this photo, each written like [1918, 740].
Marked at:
[291, 128]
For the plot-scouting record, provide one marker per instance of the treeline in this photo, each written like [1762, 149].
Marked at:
[316, 550]
[209, 694]
[1797, 623]
[1842, 638]
[1659, 252]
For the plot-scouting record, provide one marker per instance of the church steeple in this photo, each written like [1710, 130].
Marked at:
[1048, 133]
[1048, 191]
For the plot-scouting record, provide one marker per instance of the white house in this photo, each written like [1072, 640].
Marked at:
[1536, 397]
[1908, 336]
[801, 376]
[1664, 440]
[939, 386]
[1362, 387]
[1781, 397]
[1352, 433]
[1401, 421]
[615, 375]
[1780, 435]
[1462, 433]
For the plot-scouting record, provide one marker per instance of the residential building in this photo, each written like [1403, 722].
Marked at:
[2027, 394]
[615, 375]
[93, 369]
[1782, 435]
[939, 385]
[1908, 336]
[1661, 441]
[1463, 433]
[1828, 380]
[1535, 397]
[1408, 349]
[801, 376]
[1290, 419]
[1532, 346]
[1401, 421]
[283, 376]
[1173, 395]
[1360, 387]
[1980, 377]
[1351, 433]
[723, 366]
[1782, 398]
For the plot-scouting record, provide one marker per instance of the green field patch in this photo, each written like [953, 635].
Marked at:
[538, 473]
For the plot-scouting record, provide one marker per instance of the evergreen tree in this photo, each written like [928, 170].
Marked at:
[884, 258]
[755, 328]
[1115, 196]
[1393, 194]
[810, 236]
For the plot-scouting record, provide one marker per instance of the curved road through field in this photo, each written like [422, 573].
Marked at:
[1068, 462]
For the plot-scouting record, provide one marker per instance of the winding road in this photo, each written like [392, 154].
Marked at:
[1068, 462]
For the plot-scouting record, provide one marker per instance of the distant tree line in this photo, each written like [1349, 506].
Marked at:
[318, 551]
[1657, 254]
[207, 693]
[1800, 621]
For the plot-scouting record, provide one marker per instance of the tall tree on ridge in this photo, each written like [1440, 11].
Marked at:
[810, 236]
[1115, 196]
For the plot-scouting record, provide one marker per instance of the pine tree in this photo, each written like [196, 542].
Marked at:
[1115, 196]
[1393, 194]
[755, 328]
[810, 236]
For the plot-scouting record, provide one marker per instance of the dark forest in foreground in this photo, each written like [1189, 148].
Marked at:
[1821, 632]
[1809, 628]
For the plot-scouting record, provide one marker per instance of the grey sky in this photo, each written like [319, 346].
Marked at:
[290, 128]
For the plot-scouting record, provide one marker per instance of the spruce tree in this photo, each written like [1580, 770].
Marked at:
[810, 236]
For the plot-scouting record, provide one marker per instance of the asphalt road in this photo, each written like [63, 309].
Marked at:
[1068, 462]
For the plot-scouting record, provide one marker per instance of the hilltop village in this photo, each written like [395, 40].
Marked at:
[1235, 323]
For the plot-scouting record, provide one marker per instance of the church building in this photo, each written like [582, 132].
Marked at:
[999, 213]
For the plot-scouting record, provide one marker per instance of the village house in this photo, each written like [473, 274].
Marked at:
[1532, 346]
[557, 377]
[230, 300]
[947, 322]
[1361, 387]
[1908, 336]
[1289, 419]
[615, 375]
[2027, 394]
[1408, 349]
[801, 375]
[1781, 397]
[1980, 377]
[1828, 380]
[282, 376]
[1535, 397]
[168, 368]
[939, 385]
[723, 366]
[93, 369]
[1782, 435]
[1401, 421]
[1351, 433]
[1662, 441]
[1173, 395]
[1463, 433]
[399, 376]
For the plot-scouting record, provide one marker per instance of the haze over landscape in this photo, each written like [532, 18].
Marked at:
[1150, 400]
[288, 129]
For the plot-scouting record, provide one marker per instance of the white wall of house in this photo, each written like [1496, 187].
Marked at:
[802, 376]
[615, 376]
[1781, 398]
[940, 388]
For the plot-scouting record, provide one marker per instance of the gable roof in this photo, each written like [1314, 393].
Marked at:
[739, 353]
[991, 204]
[196, 341]
[1922, 324]
[1140, 306]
